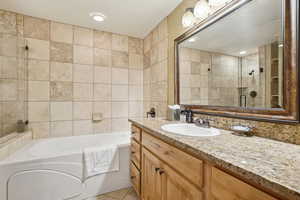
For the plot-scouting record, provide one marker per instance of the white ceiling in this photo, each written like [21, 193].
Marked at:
[255, 24]
[131, 17]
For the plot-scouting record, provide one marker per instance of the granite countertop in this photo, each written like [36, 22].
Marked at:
[268, 163]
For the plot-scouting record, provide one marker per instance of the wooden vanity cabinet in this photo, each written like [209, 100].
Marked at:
[135, 163]
[161, 182]
[161, 171]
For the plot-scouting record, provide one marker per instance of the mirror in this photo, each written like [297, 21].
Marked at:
[236, 61]
[243, 59]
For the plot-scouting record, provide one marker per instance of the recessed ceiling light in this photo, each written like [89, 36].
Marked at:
[98, 17]
[192, 40]
[243, 52]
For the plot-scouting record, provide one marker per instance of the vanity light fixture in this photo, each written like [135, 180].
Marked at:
[280, 45]
[202, 9]
[98, 17]
[243, 52]
[188, 19]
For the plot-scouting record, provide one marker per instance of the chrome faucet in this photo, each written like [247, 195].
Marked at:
[205, 123]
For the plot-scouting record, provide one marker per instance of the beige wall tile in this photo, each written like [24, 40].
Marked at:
[135, 77]
[36, 28]
[9, 67]
[135, 61]
[102, 74]
[82, 127]
[61, 128]
[11, 112]
[119, 109]
[155, 37]
[120, 92]
[102, 107]
[61, 32]
[135, 45]
[38, 49]
[8, 45]
[120, 125]
[102, 39]
[83, 73]
[119, 42]
[119, 76]
[147, 43]
[8, 90]
[38, 90]
[102, 92]
[136, 92]
[40, 129]
[61, 52]
[163, 30]
[136, 109]
[38, 111]
[8, 22]
[61, 71]
[120, 59]
[82, 110]
[61, 111]
[102, 57]
[83, 36]
[61, 91]
[38, 70]
[83, 55]
[82, 92]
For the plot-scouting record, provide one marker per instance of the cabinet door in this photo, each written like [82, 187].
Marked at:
[175, 187]
[151, 179]
[227, 187]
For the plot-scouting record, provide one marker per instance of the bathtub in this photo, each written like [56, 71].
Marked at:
[52, 169]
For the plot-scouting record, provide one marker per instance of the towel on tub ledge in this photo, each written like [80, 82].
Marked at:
[99, 160]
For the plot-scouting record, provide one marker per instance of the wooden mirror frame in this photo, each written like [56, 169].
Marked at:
[290, 111]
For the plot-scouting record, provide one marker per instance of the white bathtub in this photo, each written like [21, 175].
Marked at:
[52, 169]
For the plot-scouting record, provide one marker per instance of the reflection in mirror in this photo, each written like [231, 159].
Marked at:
[237, 61]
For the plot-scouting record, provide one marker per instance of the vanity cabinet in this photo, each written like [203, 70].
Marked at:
[227, 187]
[135, 163]
[161, 182]
[161, 171]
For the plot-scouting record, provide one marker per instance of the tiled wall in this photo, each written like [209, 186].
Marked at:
[208, 78]
[74, 72]
[12, 76]
[155, 69]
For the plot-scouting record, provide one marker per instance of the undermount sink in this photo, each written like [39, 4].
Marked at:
[190, 130]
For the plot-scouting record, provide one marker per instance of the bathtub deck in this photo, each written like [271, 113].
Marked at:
[124, 194]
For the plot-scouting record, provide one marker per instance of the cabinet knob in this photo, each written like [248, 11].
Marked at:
[132, 177]
[133, 152]
[157, 169]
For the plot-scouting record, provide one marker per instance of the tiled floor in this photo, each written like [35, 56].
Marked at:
[124, 194]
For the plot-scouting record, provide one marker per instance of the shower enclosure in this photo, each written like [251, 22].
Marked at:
[13, 81]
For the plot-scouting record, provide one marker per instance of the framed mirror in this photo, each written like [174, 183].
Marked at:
[242, 62]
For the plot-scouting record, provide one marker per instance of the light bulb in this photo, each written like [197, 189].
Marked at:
[201, 9]
[217, 2]
[188, 19]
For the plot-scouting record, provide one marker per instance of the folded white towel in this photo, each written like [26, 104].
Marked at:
[100, 160]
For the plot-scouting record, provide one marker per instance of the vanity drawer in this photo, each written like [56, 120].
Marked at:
[186, 165]
[135, 149]
[227, 187]
[135, 178]
[136, 133]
